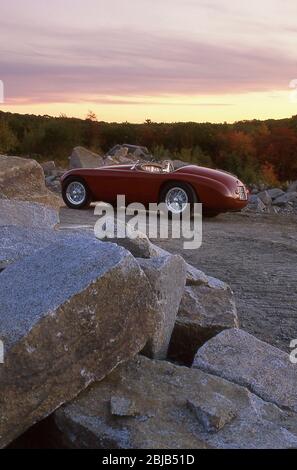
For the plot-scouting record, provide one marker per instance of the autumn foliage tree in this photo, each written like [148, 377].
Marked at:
[237, 154]
[8, 140]
[279, 148]
[256, 151]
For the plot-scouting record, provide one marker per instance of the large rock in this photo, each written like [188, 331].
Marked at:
[207, 307]
[147, 404]
[167, 276]
[255, 204]
[16, 242]
[243, 359]
[293, 187]
[70, 313]
[23, 179]
[27, 214]
[49, 168]
[84, 158]
[265, 197]
[122, 155]
[132, 152]
[54, 184]
[253, 198]
[195, 277]
[285, 199]
[275, 192]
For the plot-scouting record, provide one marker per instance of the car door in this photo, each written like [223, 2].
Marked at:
[136, 185]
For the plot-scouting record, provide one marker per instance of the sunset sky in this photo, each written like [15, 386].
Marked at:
[167, 60]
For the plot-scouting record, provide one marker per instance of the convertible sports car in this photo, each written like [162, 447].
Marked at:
[152, 182]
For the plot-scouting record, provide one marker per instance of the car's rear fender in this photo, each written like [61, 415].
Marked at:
[213, 194]
[218, 196]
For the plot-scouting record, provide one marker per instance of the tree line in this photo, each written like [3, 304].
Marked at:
[257, 151]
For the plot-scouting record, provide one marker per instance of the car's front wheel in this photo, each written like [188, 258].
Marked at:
[76, 194]
[178, 197]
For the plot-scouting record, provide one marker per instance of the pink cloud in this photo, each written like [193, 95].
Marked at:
[73, 65]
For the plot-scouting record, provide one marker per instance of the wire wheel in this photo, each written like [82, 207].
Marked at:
[76, 193]
[176, 200]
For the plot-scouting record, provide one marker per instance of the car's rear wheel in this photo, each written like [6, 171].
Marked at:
[76, 194]
[178, 197]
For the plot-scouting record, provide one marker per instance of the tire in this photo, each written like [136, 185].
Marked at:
[186, 192]
[82, 198]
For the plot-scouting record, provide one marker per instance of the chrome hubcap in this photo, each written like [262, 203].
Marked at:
[76, 193]
[176, 200]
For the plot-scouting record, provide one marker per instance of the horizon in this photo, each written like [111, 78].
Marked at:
[84, 118]
[188, 61]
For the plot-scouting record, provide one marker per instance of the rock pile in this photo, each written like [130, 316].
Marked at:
[62, 329]
[274, 200]
[83, 158]
[90, 330]
[206, 308]
[127, 153]
[22, 179]
[83, 312]
[154, 404]
[52, 175]
[119, 154]
[243, 359]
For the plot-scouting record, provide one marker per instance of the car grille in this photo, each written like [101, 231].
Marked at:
[242, 193]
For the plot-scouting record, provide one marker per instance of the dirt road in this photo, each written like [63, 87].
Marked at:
[256, 255]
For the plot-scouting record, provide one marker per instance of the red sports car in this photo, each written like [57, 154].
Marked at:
[152, 182]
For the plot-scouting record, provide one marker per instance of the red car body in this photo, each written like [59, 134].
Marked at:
[217, 190]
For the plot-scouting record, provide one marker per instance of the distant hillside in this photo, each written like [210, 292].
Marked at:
[254, 150]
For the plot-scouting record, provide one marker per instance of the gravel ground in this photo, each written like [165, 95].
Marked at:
[256, 254]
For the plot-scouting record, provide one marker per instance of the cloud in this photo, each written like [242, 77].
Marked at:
[76, 65]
